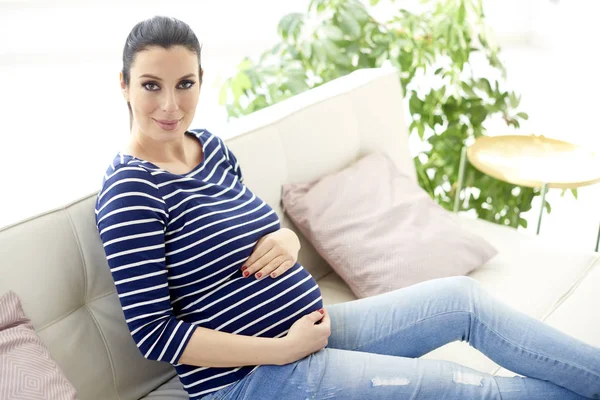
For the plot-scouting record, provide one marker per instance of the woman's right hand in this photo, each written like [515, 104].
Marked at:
[305, 336]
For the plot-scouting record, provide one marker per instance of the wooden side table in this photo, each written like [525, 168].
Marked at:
[532, 161]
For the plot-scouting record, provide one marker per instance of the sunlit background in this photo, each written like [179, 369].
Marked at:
[63, 117]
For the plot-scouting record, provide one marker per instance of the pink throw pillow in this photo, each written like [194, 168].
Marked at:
[379, 230]
[27, 370]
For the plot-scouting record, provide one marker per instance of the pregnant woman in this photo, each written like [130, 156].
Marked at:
[209, 281]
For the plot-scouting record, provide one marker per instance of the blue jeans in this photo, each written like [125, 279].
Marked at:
[375, 343]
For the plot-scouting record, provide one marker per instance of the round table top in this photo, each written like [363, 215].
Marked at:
[534, 160]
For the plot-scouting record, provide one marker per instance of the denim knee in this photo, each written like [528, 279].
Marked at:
[463, 287]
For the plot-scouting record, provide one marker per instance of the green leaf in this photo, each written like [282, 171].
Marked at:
[357, 9]
[514, 100]
[415, 104]
[547, 206]
[461, 13]
[331, 32]
[523, 115]
[237, 91]
[373, 2]
[276, 49]
[319, 5]
[348, 24]
[290, 25]
[333, 52]
[294, 69]
[478, 114]
[484, 85]
[243, 80]
[296, 86]
[421, 130]
[467, 89]
[574, 192]
[319, 52]
[239, 84]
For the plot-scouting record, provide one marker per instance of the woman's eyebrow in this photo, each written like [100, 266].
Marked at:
[158, 79]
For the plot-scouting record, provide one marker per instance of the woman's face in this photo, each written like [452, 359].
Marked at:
[163, 91]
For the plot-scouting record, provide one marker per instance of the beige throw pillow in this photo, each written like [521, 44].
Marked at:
[27, 370]
[379, 230]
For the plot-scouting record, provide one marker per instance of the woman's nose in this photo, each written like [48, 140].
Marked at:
[169, 102]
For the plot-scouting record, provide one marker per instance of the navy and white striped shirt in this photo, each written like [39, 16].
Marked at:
[175, 245]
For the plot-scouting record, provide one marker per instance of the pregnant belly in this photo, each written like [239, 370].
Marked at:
[267, 307]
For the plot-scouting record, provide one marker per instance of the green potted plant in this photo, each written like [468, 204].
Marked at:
[433, 50]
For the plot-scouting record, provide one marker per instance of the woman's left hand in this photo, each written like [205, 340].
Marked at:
[273, 254]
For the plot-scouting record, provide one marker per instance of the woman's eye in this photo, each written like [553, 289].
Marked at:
[187, 84]
[149, 85]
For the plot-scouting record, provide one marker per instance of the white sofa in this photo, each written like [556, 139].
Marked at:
[56, 264]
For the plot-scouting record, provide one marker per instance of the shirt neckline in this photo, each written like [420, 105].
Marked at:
[198, 136]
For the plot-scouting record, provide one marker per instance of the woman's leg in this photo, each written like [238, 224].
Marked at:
[412, 321]
[354, 375]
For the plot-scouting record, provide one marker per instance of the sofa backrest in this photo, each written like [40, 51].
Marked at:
[56, 264]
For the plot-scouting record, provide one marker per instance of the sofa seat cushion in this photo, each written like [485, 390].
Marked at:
[171, 390]
[577, 313]
[533, 275]
[530, 273]
[334, 289]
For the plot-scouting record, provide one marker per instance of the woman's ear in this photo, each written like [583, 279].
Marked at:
[201, 74]
[124, 88]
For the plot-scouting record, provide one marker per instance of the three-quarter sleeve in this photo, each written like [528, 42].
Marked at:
[131, 217]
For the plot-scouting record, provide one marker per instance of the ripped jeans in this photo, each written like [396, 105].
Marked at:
[375, 343]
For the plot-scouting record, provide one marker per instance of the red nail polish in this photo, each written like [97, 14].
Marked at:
[322, 311]
[258, 275]
[246, 273]
[273, 275]
[244, 268]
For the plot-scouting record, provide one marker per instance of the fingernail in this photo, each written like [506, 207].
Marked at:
[273, 275]
[322, 311]
[258, 274]
[246, 273]
[244, 268]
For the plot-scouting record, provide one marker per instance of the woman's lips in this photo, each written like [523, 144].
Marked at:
[167, 125]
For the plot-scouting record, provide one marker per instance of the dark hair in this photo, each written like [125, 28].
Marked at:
[160, 31]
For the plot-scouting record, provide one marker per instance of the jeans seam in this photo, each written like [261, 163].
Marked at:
[491, 330]
[497, 386]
